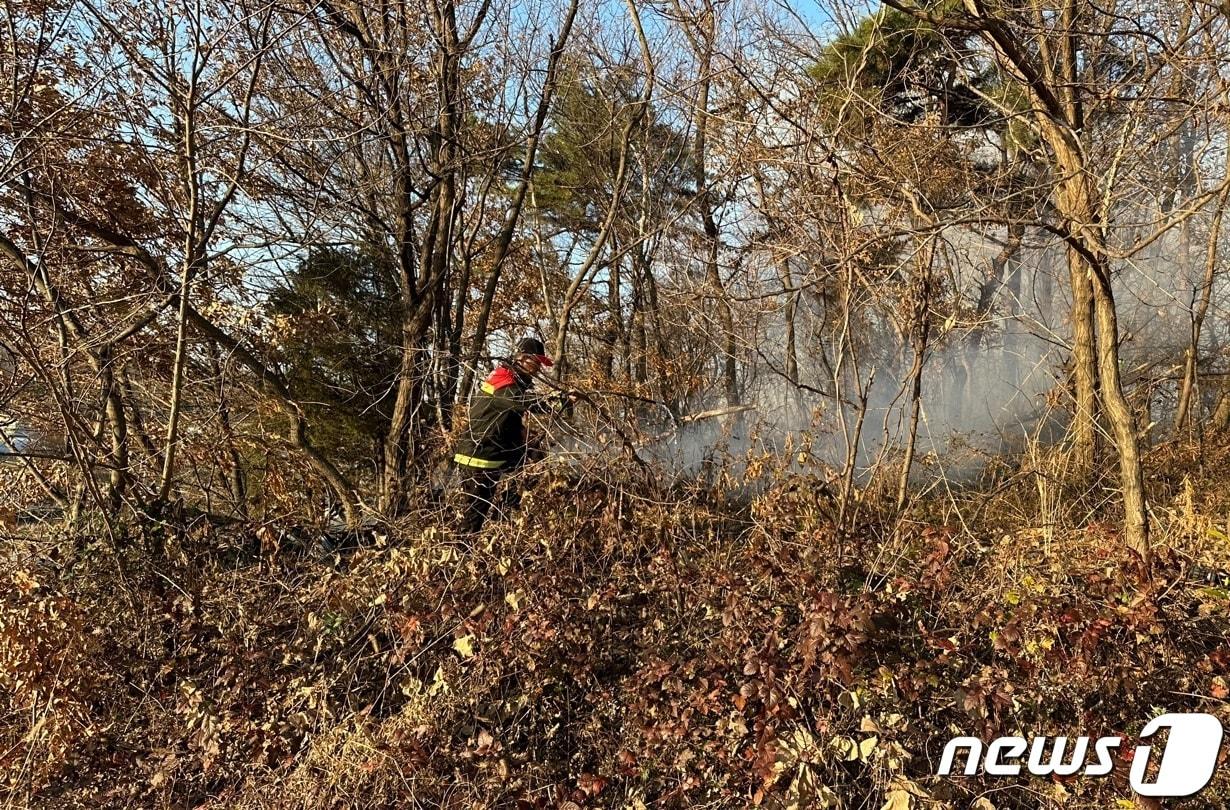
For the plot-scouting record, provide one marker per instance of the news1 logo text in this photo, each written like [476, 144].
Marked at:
[1184, 765]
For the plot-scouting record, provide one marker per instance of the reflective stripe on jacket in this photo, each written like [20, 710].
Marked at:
[480, 463]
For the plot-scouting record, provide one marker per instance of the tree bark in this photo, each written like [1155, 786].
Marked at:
[1121, 418]
[1084, 368]
[1191, 360]
[920, 334]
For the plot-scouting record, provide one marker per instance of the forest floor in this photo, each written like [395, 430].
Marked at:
[618, 647]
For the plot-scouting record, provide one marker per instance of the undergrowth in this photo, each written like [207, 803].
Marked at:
[615, 647]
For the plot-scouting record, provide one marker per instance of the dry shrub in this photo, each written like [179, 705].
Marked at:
[619, 647]
[47, 678]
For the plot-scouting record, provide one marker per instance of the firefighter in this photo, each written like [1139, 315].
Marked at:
[495, 439]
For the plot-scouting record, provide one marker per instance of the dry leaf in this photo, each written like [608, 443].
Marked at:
[464, 645]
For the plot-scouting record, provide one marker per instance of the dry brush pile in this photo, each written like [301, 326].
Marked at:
[609, 647]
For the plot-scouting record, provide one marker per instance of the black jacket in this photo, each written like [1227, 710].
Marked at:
[494, 437]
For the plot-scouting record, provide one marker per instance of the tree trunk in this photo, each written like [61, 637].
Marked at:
[920, 333]
[117, 423]
[1084, 368]
[191, 178]
[1003, 271]
[235, 479]
[1188, 386]
[703, 44]
[420, 293]
[791, 307]
[136, 421]
[1121, 418]
[399, 443]
[1221, 413]
[177, 387]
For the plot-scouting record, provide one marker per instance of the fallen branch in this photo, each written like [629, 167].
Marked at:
[715, 412]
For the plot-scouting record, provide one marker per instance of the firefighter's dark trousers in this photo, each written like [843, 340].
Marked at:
[477, 494]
